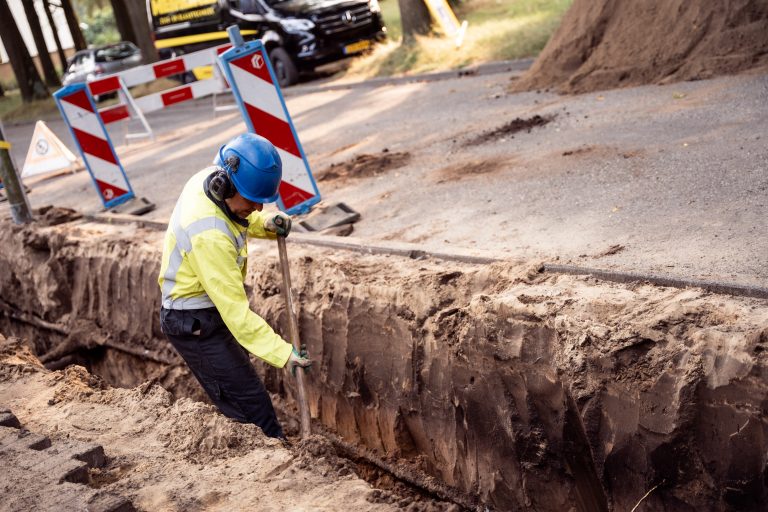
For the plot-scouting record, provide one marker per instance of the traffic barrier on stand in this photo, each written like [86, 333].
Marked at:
[123, 81]
[256, 90]
[87, 128]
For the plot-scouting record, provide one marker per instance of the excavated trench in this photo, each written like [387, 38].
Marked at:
[492, 386]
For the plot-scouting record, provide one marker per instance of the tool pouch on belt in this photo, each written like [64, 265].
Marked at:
[189, 322]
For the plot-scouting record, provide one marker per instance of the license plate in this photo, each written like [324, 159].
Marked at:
[356, 47]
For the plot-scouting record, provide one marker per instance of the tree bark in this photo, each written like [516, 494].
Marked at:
[27, 76]
[133, 24]
[55, 31]
[74, 25]
[123, 21]
[49, 72]
[415, 18]
[140, 20]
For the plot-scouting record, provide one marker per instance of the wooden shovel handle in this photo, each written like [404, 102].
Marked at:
[294, 333]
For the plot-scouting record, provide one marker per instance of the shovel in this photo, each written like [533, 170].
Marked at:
[294, 332]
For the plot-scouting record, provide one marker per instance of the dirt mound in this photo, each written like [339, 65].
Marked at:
[602, 44]
[16, 358]
[55, 215]
[510, 129]
[365, 166]
[193, 430]
[172, 455]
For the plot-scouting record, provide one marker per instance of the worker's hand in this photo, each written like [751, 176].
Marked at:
[278, 223]
[299, 359]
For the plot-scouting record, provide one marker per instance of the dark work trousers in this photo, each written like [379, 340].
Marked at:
[221, 365]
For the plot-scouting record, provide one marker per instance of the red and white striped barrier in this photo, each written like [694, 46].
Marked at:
[160, 100]
[80, 114]
[121, 82]
[150, 72]
[258, 95]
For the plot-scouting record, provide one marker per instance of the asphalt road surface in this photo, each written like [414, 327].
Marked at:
[666, 179]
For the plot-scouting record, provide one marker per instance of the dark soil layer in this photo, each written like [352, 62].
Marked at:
[523, 390]
[602, 44]
[510, 129]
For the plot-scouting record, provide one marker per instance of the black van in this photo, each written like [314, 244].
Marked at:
[298, 34]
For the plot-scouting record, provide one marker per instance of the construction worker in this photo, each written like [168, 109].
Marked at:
[205, 311]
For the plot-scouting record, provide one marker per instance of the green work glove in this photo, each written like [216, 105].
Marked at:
[299, 359]
[278, 223]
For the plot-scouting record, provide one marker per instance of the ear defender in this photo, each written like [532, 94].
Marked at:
[221, 186]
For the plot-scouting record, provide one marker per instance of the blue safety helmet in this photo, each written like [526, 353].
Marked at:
[253, 165]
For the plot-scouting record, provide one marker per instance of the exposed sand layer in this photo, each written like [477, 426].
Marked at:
[520, 389]
[167, 455]
[602, 44]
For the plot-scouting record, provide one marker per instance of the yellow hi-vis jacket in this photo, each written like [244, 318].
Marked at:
[204, 265]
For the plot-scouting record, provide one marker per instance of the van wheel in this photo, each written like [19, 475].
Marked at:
[285, 69]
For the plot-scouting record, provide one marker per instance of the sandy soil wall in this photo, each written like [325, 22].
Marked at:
[530, 391]
[602, 44]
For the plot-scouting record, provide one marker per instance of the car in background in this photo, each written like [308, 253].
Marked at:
[89, 64]
[298, 35]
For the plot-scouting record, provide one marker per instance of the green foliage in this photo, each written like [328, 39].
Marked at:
[87, 7]
[101, 27]
[391, 14]
[13, 109]
[497, 30]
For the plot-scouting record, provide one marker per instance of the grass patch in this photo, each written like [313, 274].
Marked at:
[498, 30]
[12, 109]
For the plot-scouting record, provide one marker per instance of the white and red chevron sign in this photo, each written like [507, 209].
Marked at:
[258, 95]
[92, 139]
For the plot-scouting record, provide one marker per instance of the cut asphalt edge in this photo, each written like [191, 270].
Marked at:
[412, 251]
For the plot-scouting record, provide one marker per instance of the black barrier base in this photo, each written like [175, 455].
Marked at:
[135, 206]
[329, 217]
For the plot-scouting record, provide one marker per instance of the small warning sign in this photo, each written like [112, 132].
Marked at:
[46, 153]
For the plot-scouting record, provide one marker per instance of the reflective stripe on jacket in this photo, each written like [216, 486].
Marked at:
[205, 260]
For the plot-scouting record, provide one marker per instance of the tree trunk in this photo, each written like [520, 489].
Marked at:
[27, 76]
[123, 21]
[51, 78]
[144, 34]
[55, 31]
[133, 24]
[415, 18]
[74, 25]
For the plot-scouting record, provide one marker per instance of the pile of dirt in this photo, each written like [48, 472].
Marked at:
[602, 44]
[510, 129]
[365, 166]
[55, 215]
[172, 455]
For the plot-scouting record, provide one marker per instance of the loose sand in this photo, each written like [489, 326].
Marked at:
[602, 44]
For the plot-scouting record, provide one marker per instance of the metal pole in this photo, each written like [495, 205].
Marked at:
[17, 199]
[294, 326]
